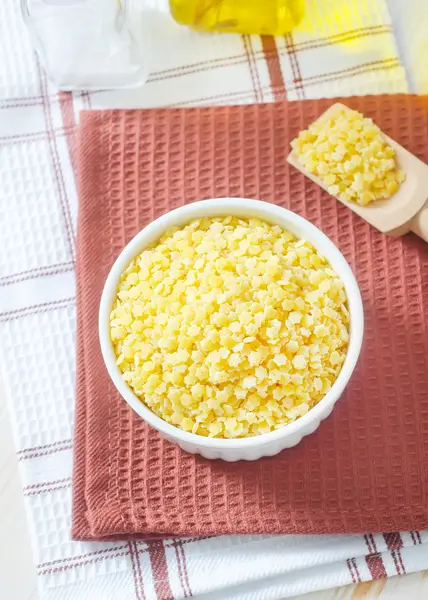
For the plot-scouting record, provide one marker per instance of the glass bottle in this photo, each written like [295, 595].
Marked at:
[264, 17]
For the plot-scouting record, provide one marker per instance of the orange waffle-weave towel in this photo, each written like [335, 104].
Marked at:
[366, 467]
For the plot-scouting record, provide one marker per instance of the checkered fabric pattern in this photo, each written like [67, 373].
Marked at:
[334, 52]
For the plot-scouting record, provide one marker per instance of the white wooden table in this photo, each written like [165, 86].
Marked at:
[17, 572]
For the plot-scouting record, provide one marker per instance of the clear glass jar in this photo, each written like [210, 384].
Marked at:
[90, 44]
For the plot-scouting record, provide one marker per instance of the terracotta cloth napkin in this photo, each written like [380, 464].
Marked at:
[366, 467]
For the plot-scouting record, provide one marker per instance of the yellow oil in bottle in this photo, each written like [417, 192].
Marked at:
[263, 17]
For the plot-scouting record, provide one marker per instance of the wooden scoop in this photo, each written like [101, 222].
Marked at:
[407, 209]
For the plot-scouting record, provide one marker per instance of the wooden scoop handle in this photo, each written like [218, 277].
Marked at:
[419, 223]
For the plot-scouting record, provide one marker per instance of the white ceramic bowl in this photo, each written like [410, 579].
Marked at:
[250, 448]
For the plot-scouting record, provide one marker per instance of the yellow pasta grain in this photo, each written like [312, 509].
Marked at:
[351, 157]
[230, 327]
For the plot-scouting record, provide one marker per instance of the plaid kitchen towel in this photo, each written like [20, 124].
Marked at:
[339, 49]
